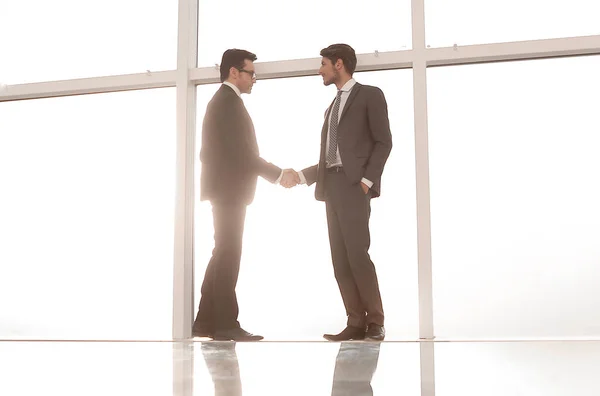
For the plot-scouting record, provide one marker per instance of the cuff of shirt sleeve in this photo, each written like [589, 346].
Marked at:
[302, 178]
[368, 182]
[279, 178]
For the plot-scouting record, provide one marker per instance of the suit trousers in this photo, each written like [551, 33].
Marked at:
[348, 212]
[218, 308]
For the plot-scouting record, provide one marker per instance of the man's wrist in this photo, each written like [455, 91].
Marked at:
[279, 178]
[302, 178]
[367, 182]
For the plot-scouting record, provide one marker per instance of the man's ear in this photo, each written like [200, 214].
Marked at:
[233, 71]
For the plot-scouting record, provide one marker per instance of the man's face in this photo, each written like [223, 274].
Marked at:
[246, 77]
[328, 71]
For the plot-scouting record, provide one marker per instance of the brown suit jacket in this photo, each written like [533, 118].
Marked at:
[230, 158]
[364, 140]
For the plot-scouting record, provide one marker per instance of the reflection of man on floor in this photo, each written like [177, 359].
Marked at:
[221, 360]
[355, 366]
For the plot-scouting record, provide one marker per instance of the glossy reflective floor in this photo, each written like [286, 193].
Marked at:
[300, 368]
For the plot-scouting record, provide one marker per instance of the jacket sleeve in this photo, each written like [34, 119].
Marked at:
[310, 174]
[224, 132]
[379, 126]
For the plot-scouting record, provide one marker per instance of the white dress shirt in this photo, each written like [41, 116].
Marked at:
[346, 89]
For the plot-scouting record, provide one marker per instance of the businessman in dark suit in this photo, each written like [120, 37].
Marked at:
[355, 144]
[230, 166]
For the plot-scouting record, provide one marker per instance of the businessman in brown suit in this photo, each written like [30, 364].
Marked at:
[355, 144]
[230, 166]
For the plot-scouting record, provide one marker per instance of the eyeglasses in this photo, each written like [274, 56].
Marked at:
[251, 72]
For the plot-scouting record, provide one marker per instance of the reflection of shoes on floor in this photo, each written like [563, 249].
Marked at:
[348, 334]
[237, 334]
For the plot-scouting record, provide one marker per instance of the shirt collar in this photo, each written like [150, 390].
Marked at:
[235, 89]
[348, 86]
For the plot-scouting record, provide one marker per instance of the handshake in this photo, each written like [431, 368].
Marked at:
[290, 178]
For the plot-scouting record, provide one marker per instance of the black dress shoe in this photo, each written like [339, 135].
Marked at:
[237, 334]
[375, 333]
[202, 332]
[349, 333]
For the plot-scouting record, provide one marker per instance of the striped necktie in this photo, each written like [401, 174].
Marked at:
[333, 125]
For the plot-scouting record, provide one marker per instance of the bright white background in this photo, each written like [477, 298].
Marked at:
[86, 215]
[276, 30]
[62, 39]
[87, 182]
[514, 199]
[465, 22]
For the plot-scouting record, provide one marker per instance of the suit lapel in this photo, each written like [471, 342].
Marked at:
[325, 129]
[328, 112]
[353, 94]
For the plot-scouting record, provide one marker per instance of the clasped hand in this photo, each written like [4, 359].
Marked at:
[290, 178]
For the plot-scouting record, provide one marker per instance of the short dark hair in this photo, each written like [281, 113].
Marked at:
[343, 52]
[234, 58]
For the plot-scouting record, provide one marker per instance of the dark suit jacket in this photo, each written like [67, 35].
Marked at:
[229, 153]
[364, 140]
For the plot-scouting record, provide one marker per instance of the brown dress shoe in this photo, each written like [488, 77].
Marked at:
[375, 333]
[349, 333]
[202, 332]
[237, 334]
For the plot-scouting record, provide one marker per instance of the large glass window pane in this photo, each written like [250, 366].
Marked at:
[86, 215]
[63, 39]
[465, 22]
[514, 198]
[286, 288]
[300, 29]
